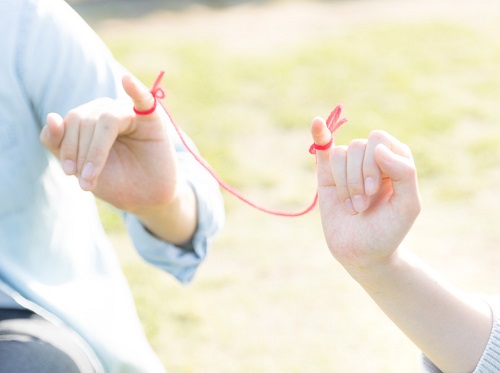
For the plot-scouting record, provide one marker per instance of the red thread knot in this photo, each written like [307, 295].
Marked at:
[157, 92]
[333, 123]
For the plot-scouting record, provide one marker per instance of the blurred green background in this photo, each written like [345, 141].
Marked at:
[244, 80]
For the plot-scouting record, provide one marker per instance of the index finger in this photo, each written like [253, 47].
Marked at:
[371, 172]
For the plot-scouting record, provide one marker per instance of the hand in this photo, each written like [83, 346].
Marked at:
[368, 196]
[124, 159]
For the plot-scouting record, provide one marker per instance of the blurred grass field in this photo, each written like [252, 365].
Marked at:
[244, 82]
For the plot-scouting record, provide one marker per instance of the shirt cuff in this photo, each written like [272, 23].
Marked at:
[490, 360]
[181, 262]
[427, 365]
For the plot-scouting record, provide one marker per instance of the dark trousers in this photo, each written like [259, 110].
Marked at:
[29, 344]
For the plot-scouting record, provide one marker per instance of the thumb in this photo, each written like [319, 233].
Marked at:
[397, 164]
[141, 96]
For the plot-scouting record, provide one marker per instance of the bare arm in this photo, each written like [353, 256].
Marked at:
[451, 328]
[369, 199]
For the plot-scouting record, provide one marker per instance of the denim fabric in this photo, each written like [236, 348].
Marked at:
[31, 344]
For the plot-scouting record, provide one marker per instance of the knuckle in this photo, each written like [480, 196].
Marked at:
[406, 149]
[73, 116]
[87, 123]
[81, 156]
[410, 172]
[96, 155]
[357, 144]
[412, 209]
[68, 151]
[105, 101]
[109, 122]
[343, 193]
[377, 136]
[355, 184]
[109, 117]
[337, 153]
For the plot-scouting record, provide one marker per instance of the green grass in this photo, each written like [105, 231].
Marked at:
[417, 81]
[259, 304]
[111, 220]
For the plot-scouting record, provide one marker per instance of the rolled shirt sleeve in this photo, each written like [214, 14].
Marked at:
[182, 262]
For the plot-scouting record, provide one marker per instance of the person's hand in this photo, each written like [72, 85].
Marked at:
[124, 159]
[368, 196]
[127, 160]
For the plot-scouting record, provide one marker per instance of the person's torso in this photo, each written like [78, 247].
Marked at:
[53, 250]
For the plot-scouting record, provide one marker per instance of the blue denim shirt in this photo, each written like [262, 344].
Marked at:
[54, 255]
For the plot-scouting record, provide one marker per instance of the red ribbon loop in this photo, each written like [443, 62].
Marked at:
[333, 123]
[315, 146]
[157, 92]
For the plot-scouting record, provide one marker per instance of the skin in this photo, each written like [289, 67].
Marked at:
[126, 160]
[369, 200]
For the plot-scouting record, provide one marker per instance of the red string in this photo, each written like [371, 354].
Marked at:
[333, 123]
[157, 92]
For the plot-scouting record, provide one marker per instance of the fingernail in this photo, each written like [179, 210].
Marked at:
[88, 171]
[69, 167]
[349, 207]
[45, 132]
[85, 185]
[369, 186]
[358, 202]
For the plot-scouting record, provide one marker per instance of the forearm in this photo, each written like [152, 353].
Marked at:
[449, 327]
[176, 222]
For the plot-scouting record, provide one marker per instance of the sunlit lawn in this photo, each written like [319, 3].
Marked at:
[269, 297]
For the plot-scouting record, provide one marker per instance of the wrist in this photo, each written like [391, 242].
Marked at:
[174, 221]
[376, 270]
